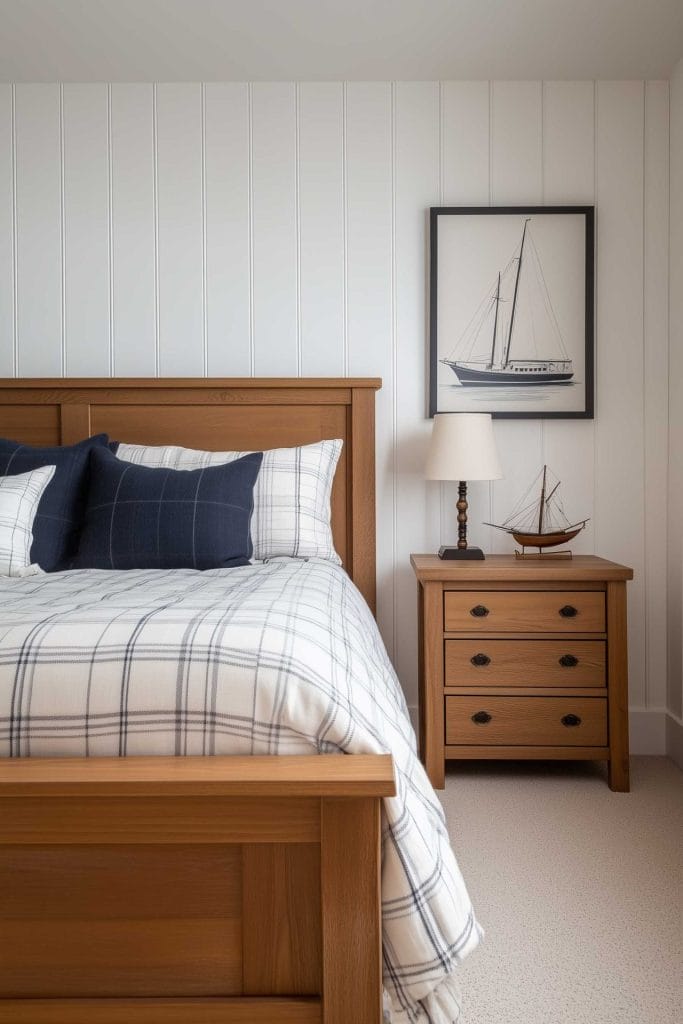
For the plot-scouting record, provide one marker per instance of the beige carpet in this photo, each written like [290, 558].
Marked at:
[580, 891]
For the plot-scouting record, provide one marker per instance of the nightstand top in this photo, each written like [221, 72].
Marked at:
[502, 568]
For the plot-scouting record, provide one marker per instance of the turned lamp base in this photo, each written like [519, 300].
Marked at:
[461, 552]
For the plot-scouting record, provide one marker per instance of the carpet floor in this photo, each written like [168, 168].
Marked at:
[579, 890]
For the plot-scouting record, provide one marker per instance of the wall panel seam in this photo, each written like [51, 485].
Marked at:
[205, 331]
[15, 240]
[250, 200]
[155, 191]
[394, 376]
[297, 219]
[62, 233]
[110, 232]
[345, 233]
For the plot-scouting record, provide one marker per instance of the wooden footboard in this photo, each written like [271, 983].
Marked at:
[191, 890]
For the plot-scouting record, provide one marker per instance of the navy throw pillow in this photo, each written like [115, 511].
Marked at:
[58, 521]
[143, 518]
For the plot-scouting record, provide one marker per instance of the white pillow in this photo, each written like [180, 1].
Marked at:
[291, 496]
[19, 499]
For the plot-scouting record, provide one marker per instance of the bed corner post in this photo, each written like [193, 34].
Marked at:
[362, 537]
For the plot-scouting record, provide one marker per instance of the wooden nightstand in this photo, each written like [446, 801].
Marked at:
[523, 659]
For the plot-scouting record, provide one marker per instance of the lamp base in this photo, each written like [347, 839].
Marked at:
[452, 553]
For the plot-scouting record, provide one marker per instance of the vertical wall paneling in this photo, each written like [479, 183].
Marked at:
[274, 180]
[86, 230]
[516, 180]
[7, 250]
[465, 181]
[569, 179]
[369, 305]
[133, 230]
[416, 154]
[322, 228]
[39, 230]
[226, 122]
[619, 497]
[278, 229]
[655, 383]
[180, 235]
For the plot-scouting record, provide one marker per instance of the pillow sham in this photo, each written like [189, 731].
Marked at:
[291, 497]
[143, 518]
[20, 496]
[56, 526]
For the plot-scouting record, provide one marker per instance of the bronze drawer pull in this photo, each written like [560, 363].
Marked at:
[479, 611]
[570, 720]
[569, 661]
[482, 717]
[480, 659]
[568, 611]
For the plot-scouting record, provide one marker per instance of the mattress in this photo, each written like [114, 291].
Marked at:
[282, 657]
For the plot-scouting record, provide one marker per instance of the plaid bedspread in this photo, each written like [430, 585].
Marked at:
[281, 657]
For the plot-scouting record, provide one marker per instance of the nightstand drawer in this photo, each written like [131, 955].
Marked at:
[524, 611]
[527, 721]
[484, 662]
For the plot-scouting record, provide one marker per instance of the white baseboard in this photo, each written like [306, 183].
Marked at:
[652, 731]
[674, 738]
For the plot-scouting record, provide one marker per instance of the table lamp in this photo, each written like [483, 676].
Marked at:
[462, 448]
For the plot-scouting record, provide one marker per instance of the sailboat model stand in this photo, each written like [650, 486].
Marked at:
[540, 521]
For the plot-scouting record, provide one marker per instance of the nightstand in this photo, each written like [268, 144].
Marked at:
[523, 659]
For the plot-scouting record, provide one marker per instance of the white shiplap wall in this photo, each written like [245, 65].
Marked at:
[281, 229]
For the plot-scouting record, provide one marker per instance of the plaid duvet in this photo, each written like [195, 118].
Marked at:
[282, 657]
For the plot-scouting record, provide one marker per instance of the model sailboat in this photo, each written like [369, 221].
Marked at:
[514, 337]
[539, 521]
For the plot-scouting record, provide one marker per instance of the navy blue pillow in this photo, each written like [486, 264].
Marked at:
[56, 526]
[138, 517]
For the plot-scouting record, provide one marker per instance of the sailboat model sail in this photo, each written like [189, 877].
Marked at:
[515, 315]
[540, 521]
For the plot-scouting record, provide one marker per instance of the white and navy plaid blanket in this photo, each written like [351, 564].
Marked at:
[281, 657]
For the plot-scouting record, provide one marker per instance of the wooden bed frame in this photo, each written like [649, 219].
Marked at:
[198, 890]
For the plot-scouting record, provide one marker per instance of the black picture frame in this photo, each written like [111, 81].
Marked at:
[588, 212]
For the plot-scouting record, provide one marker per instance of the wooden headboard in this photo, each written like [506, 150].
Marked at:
[220, 414]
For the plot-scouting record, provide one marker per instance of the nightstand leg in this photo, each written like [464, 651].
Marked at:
[617, 682]
[431, 684]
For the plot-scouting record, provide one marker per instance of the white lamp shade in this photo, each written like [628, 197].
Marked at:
[463, 447]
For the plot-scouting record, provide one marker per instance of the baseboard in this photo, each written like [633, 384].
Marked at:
[647, 731]
[652, 731]
[674, 738]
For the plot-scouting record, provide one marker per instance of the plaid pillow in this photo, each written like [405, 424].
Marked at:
[291, 497]
[19, 499]
[142, 518]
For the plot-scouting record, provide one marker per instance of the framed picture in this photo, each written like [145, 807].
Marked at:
[511, 311]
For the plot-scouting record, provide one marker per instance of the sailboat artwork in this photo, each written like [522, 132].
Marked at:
[516, 316]
[538, 520]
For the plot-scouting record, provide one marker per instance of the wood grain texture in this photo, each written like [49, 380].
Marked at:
[284, 776]
[617, 682]
[432, 683]
[227, 414]
[527, 721]
[147, 819]
[352, 932]
[524, 663]
[282, 919]
[508, 569]
[474, 752]
[160, 1011]
[534, 611]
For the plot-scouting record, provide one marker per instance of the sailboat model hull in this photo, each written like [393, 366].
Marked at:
[545, 540]
[517, 372]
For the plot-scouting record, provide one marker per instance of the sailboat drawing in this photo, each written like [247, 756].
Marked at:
[513, 337]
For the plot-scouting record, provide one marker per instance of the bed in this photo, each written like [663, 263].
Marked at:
[209, 888]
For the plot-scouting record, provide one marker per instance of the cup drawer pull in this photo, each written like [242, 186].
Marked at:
[569, 661]
[479, 611]
[570, 720]
[568, 611]
[480, 659]
[481, 717]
